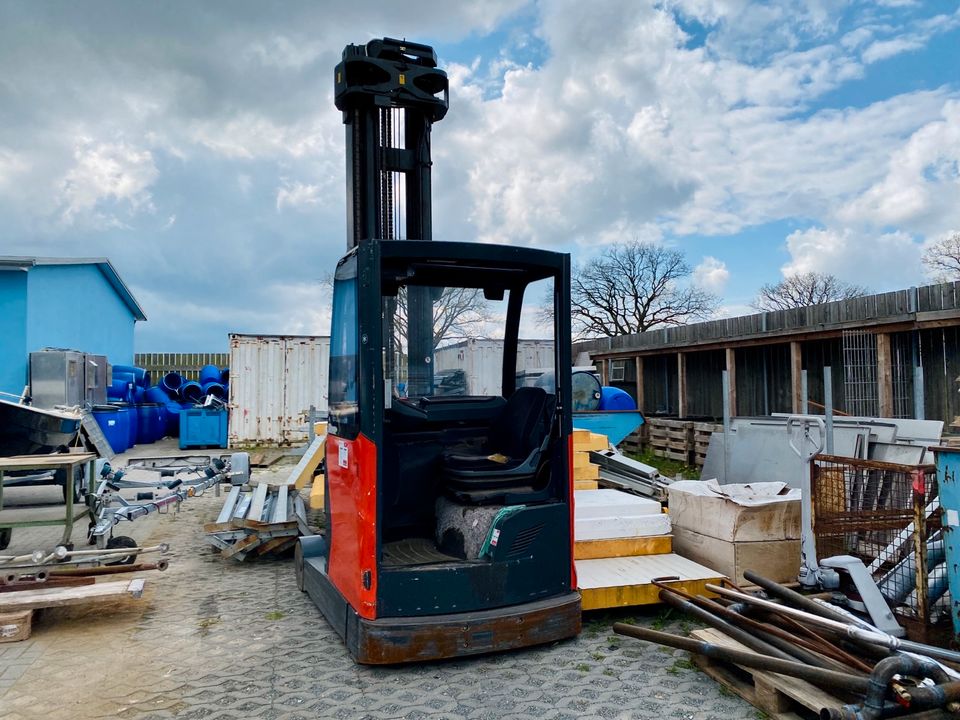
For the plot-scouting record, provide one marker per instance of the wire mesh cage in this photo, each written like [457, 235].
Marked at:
[887, 515]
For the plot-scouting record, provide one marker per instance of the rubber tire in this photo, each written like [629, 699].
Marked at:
[6, 534]
[78, 489]
[122, 541]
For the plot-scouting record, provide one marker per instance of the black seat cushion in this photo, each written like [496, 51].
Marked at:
[516, 435]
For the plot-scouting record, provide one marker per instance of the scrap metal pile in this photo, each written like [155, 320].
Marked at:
[871, 674]
[265, 520]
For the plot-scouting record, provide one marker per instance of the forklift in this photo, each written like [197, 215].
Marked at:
[449, 516]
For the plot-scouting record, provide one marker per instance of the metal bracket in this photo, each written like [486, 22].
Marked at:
[876, 607]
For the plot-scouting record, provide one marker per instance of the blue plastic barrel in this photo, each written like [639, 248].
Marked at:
[216, 389]
[128, 418]
[224, 376]
[120, 390]
[191, 391]
[109, 420]
[141, 376]
[172, 382]
[138, 394]
[209, 373]
[173, 418]
[148, 423]
[156, 394]
[612, 398]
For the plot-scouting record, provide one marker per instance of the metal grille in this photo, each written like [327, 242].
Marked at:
[860, 373]
[888, 516]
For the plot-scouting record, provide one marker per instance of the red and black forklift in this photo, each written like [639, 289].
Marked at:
[449, 516]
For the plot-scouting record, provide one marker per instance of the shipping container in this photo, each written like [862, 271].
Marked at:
[274, 380]
[482, 361]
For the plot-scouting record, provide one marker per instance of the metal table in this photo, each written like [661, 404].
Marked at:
[45, 515]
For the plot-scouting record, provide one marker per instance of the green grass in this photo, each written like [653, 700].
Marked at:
[666, 466]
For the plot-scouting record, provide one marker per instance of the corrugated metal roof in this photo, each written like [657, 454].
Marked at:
[103, 264]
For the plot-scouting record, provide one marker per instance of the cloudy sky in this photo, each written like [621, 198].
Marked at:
[197, 146]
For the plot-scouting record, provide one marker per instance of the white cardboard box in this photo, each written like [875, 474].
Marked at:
[736, 513]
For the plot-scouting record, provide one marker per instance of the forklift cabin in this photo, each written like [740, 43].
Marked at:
[449, 517]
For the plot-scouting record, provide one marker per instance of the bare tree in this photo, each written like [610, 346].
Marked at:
[802, 289]
[943, 258]
[458, 314]
[633, 287]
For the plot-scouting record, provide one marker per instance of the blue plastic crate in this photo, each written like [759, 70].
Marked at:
[200, 427]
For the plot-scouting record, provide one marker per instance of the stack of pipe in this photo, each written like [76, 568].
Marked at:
[819, 643]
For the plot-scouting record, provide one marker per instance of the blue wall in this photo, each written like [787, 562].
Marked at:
[75, 307]
[13, 331]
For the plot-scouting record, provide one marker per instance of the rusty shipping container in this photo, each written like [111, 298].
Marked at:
[274, 379]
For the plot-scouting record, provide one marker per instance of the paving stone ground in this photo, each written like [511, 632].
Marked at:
[214, 639]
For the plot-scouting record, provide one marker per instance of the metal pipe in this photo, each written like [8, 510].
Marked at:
[741, 636]
[794, 598]
[818, 676]
[873, 706]
[161, 565]
[791, 648]
[857, 634]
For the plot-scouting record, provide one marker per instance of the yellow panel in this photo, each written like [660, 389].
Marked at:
[590, 472]
[646, 594]
[623, 547]
[316, 493]
[584, 440]
[581, 459]
[301, 475]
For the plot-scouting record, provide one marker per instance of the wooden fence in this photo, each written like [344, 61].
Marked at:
[187, 364]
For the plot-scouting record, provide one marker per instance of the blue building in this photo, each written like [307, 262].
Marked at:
[76, 303]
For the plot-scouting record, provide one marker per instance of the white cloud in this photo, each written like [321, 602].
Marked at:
[102, 172]
[921, 185]
[711, 274]
[878, 261]
[298, 196]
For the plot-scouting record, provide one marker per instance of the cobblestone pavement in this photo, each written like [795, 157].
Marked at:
[214, 639]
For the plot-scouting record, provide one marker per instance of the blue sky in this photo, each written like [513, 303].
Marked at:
[198, 147]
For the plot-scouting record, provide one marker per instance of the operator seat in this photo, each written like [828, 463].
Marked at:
[512, 453]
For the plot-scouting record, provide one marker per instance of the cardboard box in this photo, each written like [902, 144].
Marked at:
[778, 560]
[736, 513]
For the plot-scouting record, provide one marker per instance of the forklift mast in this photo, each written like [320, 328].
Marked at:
[390, 92]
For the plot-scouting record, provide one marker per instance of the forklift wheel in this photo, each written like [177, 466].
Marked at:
[5, 535]
[122, 541]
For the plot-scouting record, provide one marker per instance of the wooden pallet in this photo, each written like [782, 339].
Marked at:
[702, 432]
[779, 696]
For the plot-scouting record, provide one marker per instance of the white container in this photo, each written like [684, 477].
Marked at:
[274, 379]
[482, 361]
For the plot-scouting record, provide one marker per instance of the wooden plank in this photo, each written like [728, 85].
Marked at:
[681, 385]
[316, 493]
[884, 375]
[589, 472]
[586, 441]
[255, 513]
[638, 362]
[58, 597]
[730, 358]
[585, 485]
[771, 693]
[302, 474]
[623, 547]
[248, 543]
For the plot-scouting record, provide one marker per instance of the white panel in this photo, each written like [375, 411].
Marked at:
[273, 381]
[482, 361]
[639, 570]
[608, 528]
